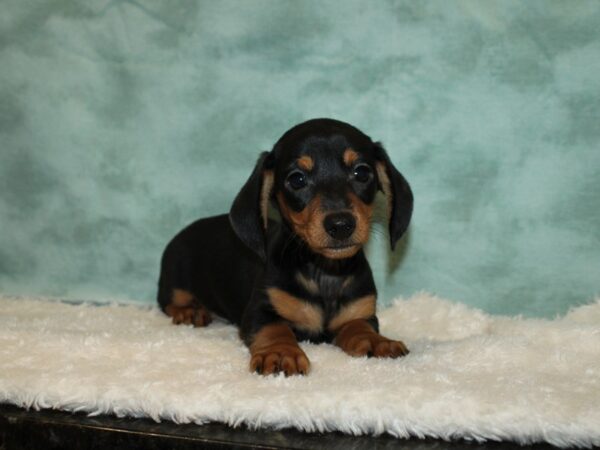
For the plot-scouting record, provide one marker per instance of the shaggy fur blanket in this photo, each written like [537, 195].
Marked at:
[469, 375]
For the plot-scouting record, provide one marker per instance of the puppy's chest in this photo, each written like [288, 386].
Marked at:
[325, 294]
[327, 288]
[317, 304]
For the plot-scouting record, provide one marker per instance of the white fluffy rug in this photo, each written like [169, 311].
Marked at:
[469, 374]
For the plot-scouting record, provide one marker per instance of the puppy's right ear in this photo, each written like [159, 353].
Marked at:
[398, 193]
[248, 214]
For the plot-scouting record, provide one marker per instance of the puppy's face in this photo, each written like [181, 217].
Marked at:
[323, 175]
[325, 184]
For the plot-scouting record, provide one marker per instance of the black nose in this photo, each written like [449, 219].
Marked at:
[339, 225]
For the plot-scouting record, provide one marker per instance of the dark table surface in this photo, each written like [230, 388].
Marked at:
[49, 429]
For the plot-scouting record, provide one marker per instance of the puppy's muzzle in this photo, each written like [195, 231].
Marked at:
[339, 226]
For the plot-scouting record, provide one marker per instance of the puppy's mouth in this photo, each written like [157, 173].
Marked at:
[340, 251]
[341, 246]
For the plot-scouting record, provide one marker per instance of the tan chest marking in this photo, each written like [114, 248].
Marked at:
[361, 308]
[304, 315]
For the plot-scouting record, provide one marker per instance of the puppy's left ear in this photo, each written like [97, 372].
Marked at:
[398, 194]
[248, 214]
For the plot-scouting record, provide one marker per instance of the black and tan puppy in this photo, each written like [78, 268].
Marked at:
[305, 277]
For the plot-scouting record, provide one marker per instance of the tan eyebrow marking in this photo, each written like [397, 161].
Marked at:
[306, 162]
[350, 156]
[301, 313]
[361, 308]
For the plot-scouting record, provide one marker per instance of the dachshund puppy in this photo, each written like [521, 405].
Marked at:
[305, 277]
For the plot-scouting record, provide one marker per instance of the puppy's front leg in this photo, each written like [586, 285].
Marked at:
[358, 338]
[274, 348]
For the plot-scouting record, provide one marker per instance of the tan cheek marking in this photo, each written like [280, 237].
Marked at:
[385, 186]
[298, 219]
[302, 314]
[307, 283]
[307, 223]
[306, 163]
[316, 235]
[350, 156]
[361, 308]
[265, 194]
[363, 214]
[181, 298]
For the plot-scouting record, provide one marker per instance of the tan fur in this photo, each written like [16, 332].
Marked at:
[350, 156]
[361, 308]
[308, 223]
[181, 297]
[362, 213]
[304, 315]
[189, 315]
[306, 162]
[265, 195]
[185, 309]
[386, 186]
[274, 348]
[273, 334]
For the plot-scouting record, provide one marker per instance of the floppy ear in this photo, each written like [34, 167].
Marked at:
[248, 214]
[398, 194]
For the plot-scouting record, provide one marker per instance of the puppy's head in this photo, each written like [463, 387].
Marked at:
[323, 176]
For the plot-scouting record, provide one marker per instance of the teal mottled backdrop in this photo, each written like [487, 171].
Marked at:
[122, 121]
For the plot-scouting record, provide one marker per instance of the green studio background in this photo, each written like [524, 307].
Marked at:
[122, 121]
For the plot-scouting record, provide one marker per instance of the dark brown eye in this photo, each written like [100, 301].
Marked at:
[362, 173]
[296, 180]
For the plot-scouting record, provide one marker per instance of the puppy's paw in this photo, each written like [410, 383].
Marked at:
[189, 315]
[373, 344]
[289, 359]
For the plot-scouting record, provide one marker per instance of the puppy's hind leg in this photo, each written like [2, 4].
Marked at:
[175, 297]
[184, 307]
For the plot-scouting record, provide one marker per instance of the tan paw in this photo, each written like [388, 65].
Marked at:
[189, 315]
[289, 359]
[358, 338]
[376, 345]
